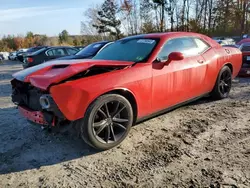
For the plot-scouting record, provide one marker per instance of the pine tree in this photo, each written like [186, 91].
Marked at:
[64, 36]
[107, 18]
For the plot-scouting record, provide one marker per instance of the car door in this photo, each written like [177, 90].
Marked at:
[179, 80]
[55, 53]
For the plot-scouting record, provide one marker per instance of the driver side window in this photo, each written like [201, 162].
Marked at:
[185, 45]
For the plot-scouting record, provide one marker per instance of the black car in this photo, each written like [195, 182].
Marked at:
[89, 51]
[21, 55]
[46, 54]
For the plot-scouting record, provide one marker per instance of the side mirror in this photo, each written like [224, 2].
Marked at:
[175, 56]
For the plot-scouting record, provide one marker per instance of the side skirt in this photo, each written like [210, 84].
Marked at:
[155, 114]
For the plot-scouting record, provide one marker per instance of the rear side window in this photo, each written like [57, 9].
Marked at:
[56, 52]
[50, 53]
[71, 51]
[202, 46]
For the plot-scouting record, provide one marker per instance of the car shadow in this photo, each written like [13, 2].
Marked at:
[25, 146]
[5, 89]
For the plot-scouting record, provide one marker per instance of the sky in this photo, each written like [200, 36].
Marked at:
[49, 17]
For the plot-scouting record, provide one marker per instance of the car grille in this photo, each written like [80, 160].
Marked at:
[26, 95]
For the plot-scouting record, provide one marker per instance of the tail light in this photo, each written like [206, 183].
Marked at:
[30, 60]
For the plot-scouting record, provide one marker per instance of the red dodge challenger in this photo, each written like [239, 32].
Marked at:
[128, 81]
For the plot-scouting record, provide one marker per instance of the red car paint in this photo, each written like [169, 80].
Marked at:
[154, 86]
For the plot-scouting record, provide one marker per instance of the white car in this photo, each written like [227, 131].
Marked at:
[12, 56]
[224, 40]
[4, 55]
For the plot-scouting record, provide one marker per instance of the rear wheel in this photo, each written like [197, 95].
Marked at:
[223, 84]
[107, 121]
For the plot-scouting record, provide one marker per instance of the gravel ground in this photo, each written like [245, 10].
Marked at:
[204, 144]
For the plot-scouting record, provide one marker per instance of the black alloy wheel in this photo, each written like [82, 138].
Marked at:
[223, 84]
[107, 121]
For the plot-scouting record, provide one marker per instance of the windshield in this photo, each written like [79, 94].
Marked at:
[135, 50]
[91, 49]
[38, 51]
[34, 49]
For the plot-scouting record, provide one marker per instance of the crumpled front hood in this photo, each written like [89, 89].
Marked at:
[45, 74]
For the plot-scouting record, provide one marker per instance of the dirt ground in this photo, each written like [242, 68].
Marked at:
[203, 144]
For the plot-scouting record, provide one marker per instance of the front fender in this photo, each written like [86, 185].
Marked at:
[74, 97]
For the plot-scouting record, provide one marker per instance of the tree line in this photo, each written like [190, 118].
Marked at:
[12, 43]
[113, 19]
[128, 17]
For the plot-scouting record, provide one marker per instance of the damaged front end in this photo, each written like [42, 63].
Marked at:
[33, 89]
[36, 105]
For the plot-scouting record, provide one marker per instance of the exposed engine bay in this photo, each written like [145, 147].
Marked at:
[94, 71]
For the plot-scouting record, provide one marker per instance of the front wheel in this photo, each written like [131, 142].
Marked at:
[107, 121]
[223, 84]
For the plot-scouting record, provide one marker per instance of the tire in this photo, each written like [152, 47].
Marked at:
[114, 126]
[223, 84]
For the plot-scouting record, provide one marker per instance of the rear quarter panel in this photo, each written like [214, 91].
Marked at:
[229, 55]
[235, 58]
[74, 97]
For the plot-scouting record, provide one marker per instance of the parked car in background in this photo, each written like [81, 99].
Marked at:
[46, 54]
[12, 56]
[245, 49]
[20, 52]
[88, 52]
[20, 56]
[134, 78]
[5, 55]
[246, 40]
[224, 40]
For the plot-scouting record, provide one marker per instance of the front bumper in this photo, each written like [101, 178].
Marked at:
[33, 116]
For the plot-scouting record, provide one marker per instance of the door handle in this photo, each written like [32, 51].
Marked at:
[200, 61]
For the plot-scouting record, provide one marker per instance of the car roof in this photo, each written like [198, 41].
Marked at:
[50, 47]
[163, 35]
[101, 42]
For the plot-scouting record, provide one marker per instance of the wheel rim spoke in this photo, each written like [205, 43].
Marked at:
[120, 125]
[101, 129]
[119, 111]
[116, 108]
[112, 132]
[119, 120]
[107, 110]
[103, 113]
[107, 134]
[100, 123]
